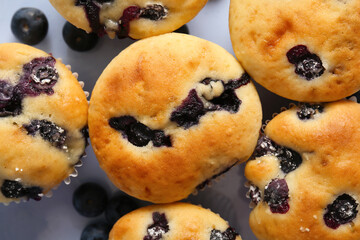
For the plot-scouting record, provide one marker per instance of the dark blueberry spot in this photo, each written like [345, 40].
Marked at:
[96, 231]
[118, 206]
[226, 101]
[276, 194]
[39, 76]
[92, 11]
[139, 134]
[289, 159]
[160, 226]
[341, 211]
[29, 25]
[14, 189]
[207, 181]
[307, 110]
[307, 65]
[10, 100]
[254, 194]
[228, 234]
[189, 112]
[129, 14]
[48, 131]
[153, 12]
[77, 39]
[90, 199]
[183, 29]
[242, 81]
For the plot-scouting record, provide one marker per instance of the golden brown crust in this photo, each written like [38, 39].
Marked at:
[186, 221]
[179, 13]
[30, 158]
[148, 80]
[263, 33]
[329, 146]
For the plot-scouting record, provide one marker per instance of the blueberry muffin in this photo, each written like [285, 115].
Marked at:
[135, 18]
[302, 50]
[170, 113]
[43, 115]
[178, 221]
[304, 178]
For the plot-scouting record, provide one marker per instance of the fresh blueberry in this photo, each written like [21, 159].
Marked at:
[77, 39]
[189, 112]
[341, 211]
[118, 206]
[48, 131]
[153, 12]
[228, 234]
[183, 29]
[90, 199]
[159, 227]
[14, 189]
[276, 194]
[307, 110]
[307, 64]
[29, 25]
[96, 231]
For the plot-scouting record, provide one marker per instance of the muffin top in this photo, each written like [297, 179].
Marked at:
[134, 18]
[171, 112]
[43, 115]
[305, 174]
[178, 221]
[302, 50]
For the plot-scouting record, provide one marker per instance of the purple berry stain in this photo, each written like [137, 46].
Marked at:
[307, 65]
[159, 227]
[289, 159]
[341, 211]
[139, 134]
[193, 108]
[48, 131]
[276, 195]
[14, 189]
[129, 14]
[228, 234]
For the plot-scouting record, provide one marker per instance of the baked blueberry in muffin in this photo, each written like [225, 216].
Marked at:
[305, 51]
[303, 174]
[43, 114]
[179, 112]
[173, 221]
[136, 19]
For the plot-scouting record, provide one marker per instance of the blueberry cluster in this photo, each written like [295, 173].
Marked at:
[307, 111]
[307, 65]
[159, 227]
[14, 189]
[228, 234]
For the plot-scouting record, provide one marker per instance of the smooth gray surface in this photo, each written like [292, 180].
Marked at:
[55, 218]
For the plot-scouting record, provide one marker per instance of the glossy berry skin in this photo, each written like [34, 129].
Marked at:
[341, 211]
[96, 231]
[29, 25]
[276, 194]
[118, 206]
[77, 39]
[14, 189]
[90, 199]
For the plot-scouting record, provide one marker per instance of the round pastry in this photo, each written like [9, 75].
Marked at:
[307, 51]
[170, 113]
[134, 18]
[178, 221]
[305, 175]
[43, 115]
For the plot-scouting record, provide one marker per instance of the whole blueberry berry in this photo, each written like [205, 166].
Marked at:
[118, 206]
[276, 194]
[90, 199]
[183, 29]
[96, 231]
[77, 39]
[341, 211]
[29, 25]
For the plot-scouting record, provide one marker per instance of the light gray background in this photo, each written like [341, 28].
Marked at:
[55, 218]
